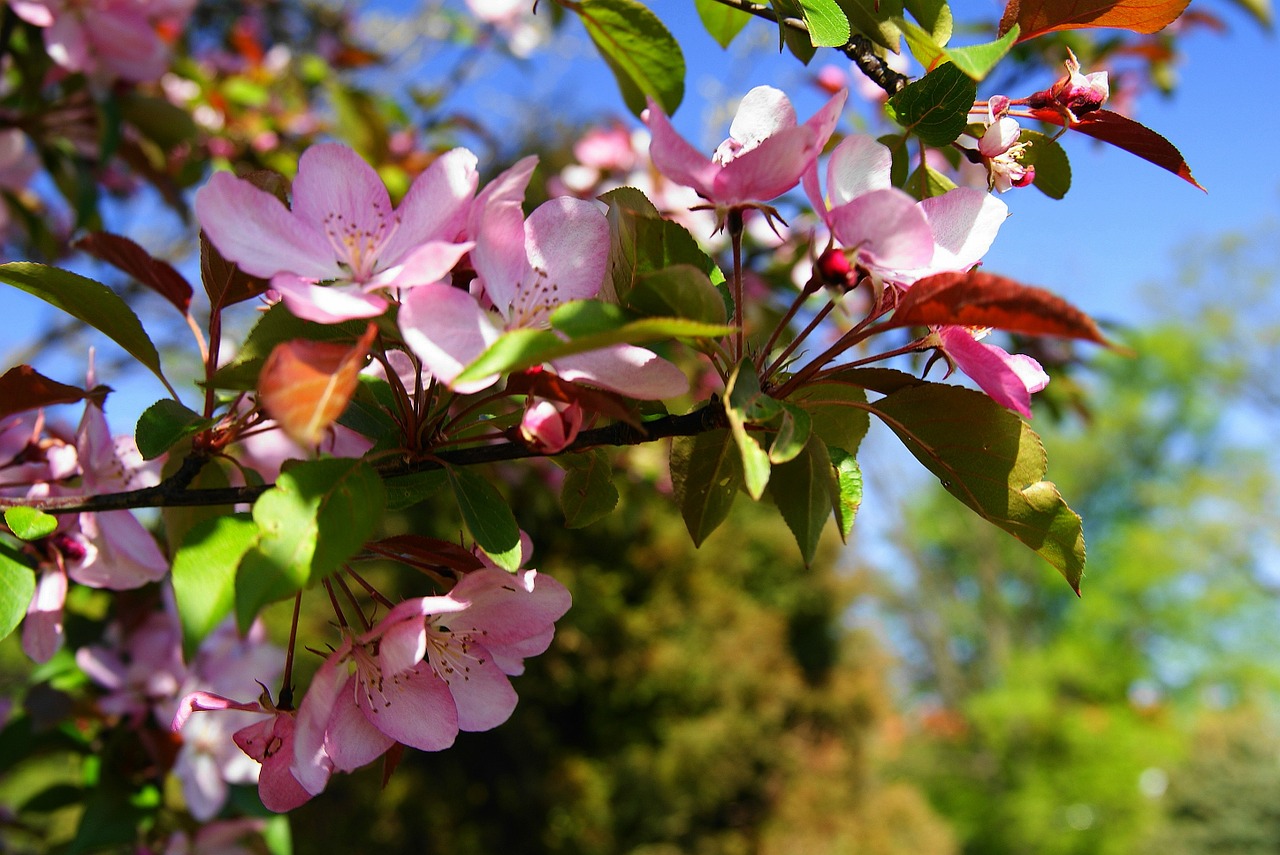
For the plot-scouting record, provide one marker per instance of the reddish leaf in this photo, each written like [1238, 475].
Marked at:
[305, 385]
[1129, 135]
[23, 388]
[547, 385]
[125, 255]
[1037, 17]
[979, 299]
[225, 283]
[419, 551]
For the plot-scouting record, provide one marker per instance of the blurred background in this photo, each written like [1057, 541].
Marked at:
[931, 687]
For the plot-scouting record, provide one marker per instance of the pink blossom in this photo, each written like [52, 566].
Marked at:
[1001, 150]
[1008, 379]
[342, 249]
[764, 156]
[550, 426]
[431, 667]
[1077, 94]
[524, 270]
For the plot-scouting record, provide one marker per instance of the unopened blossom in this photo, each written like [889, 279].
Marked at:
[525, 269]
[342, 251]
[550, 427]
[765, 154]
[1075, 94]
[431, 667]
[1008, 379]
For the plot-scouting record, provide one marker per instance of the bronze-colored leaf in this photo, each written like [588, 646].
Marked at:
[305, 385]
[1037, 17]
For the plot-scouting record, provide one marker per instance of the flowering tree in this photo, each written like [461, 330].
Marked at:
[418, 325]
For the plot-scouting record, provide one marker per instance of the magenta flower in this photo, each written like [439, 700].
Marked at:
[342, 249]
[764, 156]
[1008, 379]
[524, 270]
[1075, 94]
[431, 667]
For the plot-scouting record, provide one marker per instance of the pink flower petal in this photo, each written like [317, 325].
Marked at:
[253, 229]
[964, 222]
[768, 170]
[337, 192]
[627, 369]
[858, 165]
[496, 223]
[436, 206]
[1007, 379]
[674, 157]
[351, 737]
[504, 609]
[429, 263]
[270, 742]
[481, 693]
[567, 244]
[887, 227]
[127, 556]
[414, 707]
[42, 633]
[311, 762]
[327, 304]
[762, 112]
[447, 330]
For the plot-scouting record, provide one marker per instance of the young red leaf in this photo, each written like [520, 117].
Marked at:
[23, 388]
[1129, 135]
[417, 550]
[305, 385]
[125, 255]
[225, 283]
[545, 384]
[1037, 17]
[978, 299]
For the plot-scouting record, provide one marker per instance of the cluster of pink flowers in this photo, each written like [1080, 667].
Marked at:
[108, 39]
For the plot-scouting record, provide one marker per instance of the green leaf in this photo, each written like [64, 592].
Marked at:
[519, 349]
[317, 516]
[936, 107]
[722, 22]
[746, 404]
[406, 491]
[204, 574]
[929, 183]
[30, 523]
[991, 461]
[706, 474]
[276, 326]
[679, 291]
[874, 19]
[166, 423]
[935, 16]
[828, 24]
[804, 489]
[90, 302]
[213, 475]
[849, 483]
[838, 411]
[1053, 169]
[641, 242]
[638, 49]
[488, 517]
[157, 119]
[588, 493]
[793, 428]
[17, 587]
[978, 60]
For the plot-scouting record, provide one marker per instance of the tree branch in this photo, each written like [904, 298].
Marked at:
[859, 48]
[175, 492]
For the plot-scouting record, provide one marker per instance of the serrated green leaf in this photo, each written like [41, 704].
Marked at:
[746, 404]
[17, 587]
[317, 516]
[838, 411]
[991, 461]
[639, 50]
[90, 302]
[723, 23]
[204, 574]
[803, 490]
[588, 493]
[1053, 169]
[874, 19]
[488, 517]
[706, 474]
[641, 242]
[849, 484]
[793, 427]
[978, 60]
[166, 423]
[678, 291]
[828, 24]
[936, 107]
[30, 523]
[406, 491]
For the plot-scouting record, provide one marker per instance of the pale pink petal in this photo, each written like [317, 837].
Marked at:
[481, 693]
[252, 228]
[997, 139]
[36, 13]
[127, 555]
[311, 763]
[858, 165]
[504, 609]
[768, 170]
[964, 222]
[446, 328]
[402, 645]
[339, 193]
[763, 112]
[429, 263]
[270, 742]
[351, 740]
[413, 707]
[1008, 380]
[496, 223]
[327, 304]
[567, 244]
[674, 157]
[42, 628]
[626, 369]
[124, 43]
[510, 659]
[887, 227]
[436, 206]
[206, 701]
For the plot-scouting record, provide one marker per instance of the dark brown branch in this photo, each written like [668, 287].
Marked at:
[174, 491]
[859, 48]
